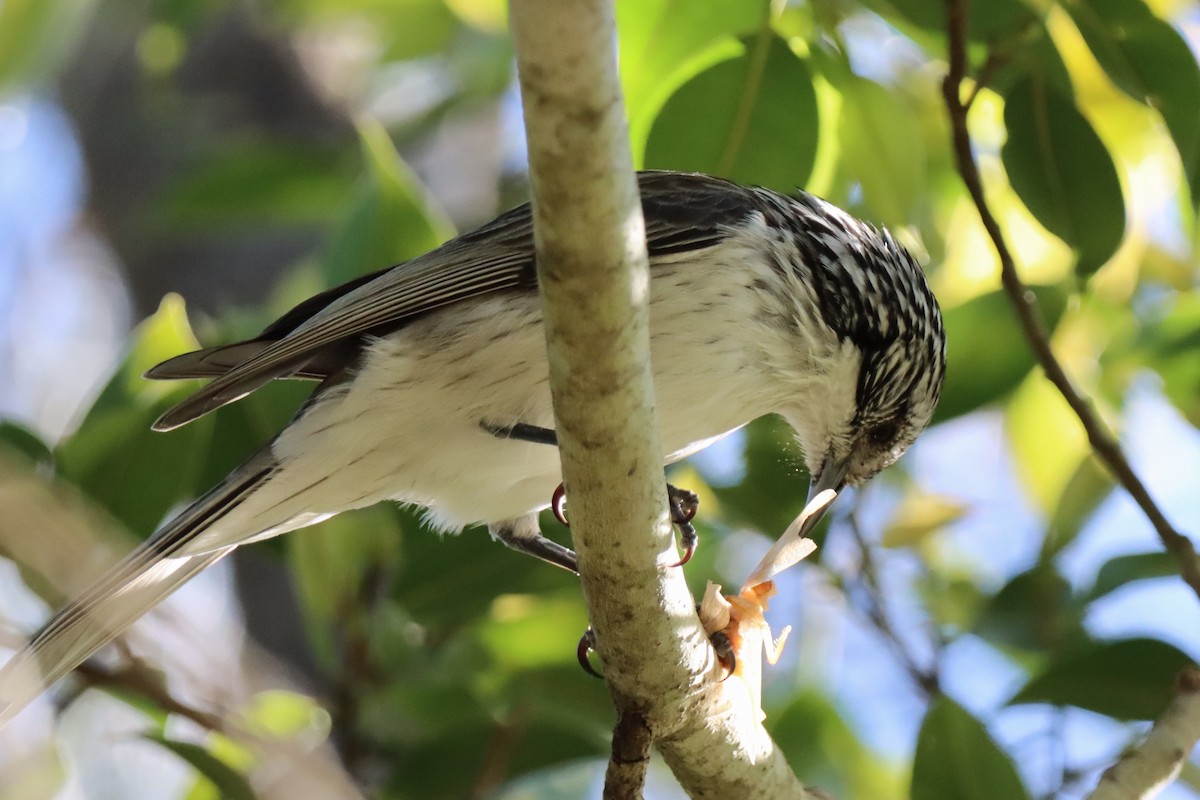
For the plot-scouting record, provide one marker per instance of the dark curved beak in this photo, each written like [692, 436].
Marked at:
[794, 544]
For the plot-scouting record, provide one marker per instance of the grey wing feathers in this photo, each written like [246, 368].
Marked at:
[444, 276]
[212, 362]
[684, 212]
[139, 582]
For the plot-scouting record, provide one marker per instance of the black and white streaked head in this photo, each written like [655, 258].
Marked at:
[861, 311]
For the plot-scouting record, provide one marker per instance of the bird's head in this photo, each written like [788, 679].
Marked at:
[875, 342]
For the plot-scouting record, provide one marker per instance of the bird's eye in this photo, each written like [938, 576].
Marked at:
[883, 434]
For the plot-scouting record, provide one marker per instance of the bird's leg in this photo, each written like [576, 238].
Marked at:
[522, 432]
[683, 504]
[524, 536]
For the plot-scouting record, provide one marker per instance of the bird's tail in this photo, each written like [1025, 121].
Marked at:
[158, 567]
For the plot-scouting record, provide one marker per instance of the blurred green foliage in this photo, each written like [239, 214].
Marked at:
[447, 663]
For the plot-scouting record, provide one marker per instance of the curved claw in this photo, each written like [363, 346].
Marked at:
[684, 505]
[725, 654]
[587, 643]
[557, 503]
[690, 541]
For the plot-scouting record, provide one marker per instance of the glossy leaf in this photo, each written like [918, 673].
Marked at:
[231, 784]
[17, 438]
[1151, 62]
[663, 43]
[1062, 172]
[389, 221]
[993, 21]
[35, 36]
[957, 759]
[1035, 611]
[339, 565]
[1046, 440]
[883, 150]
[526, 631]
[282, 714]
[136, 473]
[1123, 570]
[751, 118]
[1169, 347]
[1125, 679]
[1034, 54]
[824, 748]
[977, 371]
[1078, 501]
[255, 183]
[918, 515]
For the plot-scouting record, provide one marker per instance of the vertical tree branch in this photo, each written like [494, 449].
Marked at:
[594, 277]
[1103, 443]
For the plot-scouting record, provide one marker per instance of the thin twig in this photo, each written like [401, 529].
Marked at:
[626, 774]
[1103, 443]
[927, 678]
[143, 682]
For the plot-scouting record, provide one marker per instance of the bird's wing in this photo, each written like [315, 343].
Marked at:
[158, 567]
[683, 213]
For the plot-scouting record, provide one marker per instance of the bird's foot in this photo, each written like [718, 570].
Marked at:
[584, 650]
[724, 650]
[720, 643]
[683, 505]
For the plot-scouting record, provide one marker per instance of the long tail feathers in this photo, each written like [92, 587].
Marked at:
[138, 583]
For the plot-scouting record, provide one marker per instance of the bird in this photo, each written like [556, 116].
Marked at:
[432, 385]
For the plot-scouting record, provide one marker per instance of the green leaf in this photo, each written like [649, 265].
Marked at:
[1125, 679]
[336, 566]
[247, 184]
[231, 784]
[957, 759]
[389, 221]
[883, 149]
[402, 29]
[36, 36]
[1169, 346]
[136, 473]
[1151, 62]
[1032, 53]
[1062, 172]
[526, 631]
[824, 748]
[1081, 496]
[918, 515]
[991, 21]
[978, 372]
[1123, 570]
[751, 118]
[281, 714]
[663, 43]
[1034, 611]
[19, 439]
